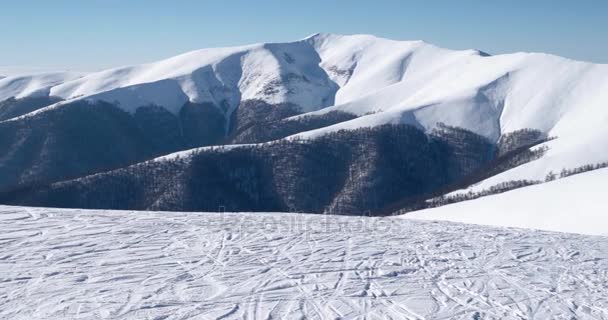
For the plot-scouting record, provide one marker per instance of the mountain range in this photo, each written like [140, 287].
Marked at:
[351, 124]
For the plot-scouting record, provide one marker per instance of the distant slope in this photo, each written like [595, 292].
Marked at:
[36, 85]
[273, 73]
[575, 204]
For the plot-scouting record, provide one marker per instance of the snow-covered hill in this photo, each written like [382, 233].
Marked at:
[574, 204]
[33, 85]
[76, 264]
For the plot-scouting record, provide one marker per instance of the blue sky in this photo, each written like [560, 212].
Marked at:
[95, 34]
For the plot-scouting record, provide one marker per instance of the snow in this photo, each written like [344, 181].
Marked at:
[275, 73]
[166, 93]
[574, 204]
[32, 85]
[80, 264]
[565, 152]
[187, 154]
[488, 95]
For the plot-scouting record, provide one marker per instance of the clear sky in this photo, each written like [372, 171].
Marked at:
[88, 35]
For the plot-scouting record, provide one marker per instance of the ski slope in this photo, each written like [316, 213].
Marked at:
[574, 204]
[76, 264]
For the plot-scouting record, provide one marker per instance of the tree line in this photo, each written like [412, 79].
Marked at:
[509, 185]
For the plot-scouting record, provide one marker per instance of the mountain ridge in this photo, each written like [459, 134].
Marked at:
[302, 90]
[70, 88]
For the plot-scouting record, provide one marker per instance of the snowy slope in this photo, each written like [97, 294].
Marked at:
[589, 146]
[275, 73]
[421, 84]
[75, 264]
[214, 75]
[573, 204]
[33, 85]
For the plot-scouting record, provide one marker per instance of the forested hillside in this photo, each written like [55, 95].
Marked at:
[346, 172]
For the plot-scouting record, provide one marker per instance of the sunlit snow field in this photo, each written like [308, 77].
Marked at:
[76, 264]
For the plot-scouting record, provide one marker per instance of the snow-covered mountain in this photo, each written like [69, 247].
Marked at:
[309, 88]
[407, 81]
[275, 73]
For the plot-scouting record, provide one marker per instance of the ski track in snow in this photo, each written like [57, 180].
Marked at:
[79, 264]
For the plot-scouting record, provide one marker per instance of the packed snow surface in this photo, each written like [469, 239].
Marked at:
[77, 264]
[574, 204]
